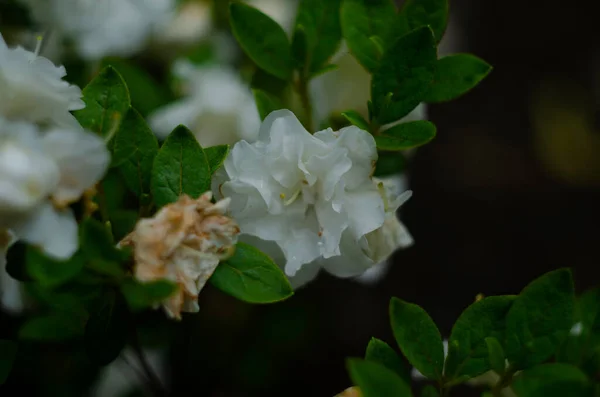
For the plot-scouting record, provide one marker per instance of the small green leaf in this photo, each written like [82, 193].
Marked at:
[356, 119]
[266, 103]
[141, 296]
[106, 101]
[418, 338]
[456, 75]
[406, 72]
[8, 353]
[52, 327]
[51, 272]
[389, 163]
[180, 167]
[540, 319]
[107, 329]
[251, 276]
[406, 136]
[97, 243]
[496, 355]
[262, 39]
[134, 149]
[552, 380]
[434, 13]
[363, 19]
[483, 319]
[429, 391]
[375, 380]
[380, 352]
[123, 222]
[216, 155]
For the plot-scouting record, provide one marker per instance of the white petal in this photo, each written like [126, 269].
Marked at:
[352, 260]
[365, 210]
[283, 120]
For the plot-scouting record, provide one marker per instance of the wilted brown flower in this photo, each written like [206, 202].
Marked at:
[183, 243]
[350, 392]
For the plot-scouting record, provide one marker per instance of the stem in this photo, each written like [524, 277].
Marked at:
[154, 383]
[305, 99]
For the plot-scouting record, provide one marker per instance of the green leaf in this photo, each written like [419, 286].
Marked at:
[540, 319]
[106, 101]
[375, 380]
[97, 243]
[325, 69]
[418, 338]
[429, 391]
[180, 167]
[362, 20]
[215, 156]
[589, 309]
[52, 327]
[356, 119]
[8, 353]
[434, 13]
[389, 163]
[266, 103]
[406, 136]
[123, 222]
[262, 39]
[251, 276]
[15, 261]
[141, 296]
[51, 272]
[380, 352]
[134, 149]
[496, 355]
[456, 75]
[404, 76]
[107, 330]
[552, 380]
[483, 319]
[320, 26]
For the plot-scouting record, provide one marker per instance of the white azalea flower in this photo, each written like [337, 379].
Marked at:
[190, 23]
[41, 173]
[303, 191]
[32, 89]
[218, 107]
[101, 28]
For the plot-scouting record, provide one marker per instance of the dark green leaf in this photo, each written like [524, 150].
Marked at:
[380, 352]
[141, 296]
[496, 355]
[434, 13]
[418, 338]
[180, 167]
[97, 242]
[484, 318]
[8, 353]
[216, 155]
[123, 222]
[251, 276]
[134, 149]
[325, 69]
[552, 380]
[589, 309]
[404, 76]
[406, 136]
[356, 119]
[389, 163]
[262, 39]
[52, 327]
[362, 20]
[375, 380]
[320, 22]
[540, 319]
[456, 75]
[107, 330]
[270, 84]
[429, 391]
[51, 272]
[266, 103]
[106, 101]
[15, 261]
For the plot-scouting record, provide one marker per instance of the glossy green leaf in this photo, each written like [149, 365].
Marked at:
[216, 155]
[251, 276]
[380, 352]
[495, 355]
[418, 338]
[262, 39]
[552, 380]
[404, 76]
[434, 13]
[52, 327]
[179, 167]
[456, 75]
[266, 103]
[141, 296]
[484, 318]
[8, 353]
[106, 101]
[540, 319]
[51, 272]
[389, 163]
[375, 380]
[406, 136]
[356, 119]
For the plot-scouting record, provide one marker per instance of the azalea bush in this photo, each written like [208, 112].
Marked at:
[187, 159]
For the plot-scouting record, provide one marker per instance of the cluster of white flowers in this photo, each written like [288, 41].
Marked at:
[312, 195]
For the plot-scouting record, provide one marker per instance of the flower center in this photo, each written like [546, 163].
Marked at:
[292, 198]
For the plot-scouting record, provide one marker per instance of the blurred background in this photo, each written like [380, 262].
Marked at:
[505, 192]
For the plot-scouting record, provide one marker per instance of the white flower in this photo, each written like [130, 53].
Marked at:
[303, 191]
[41, 173]
[218, 107]
[32, 89]
[107, 27]
[183, 243]
[191, 23]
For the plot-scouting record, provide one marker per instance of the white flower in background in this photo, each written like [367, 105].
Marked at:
[101, 28]
[191, 22]
[304, 191]
[41, 173]
[218, 107]
[184, 242]
[32, 89]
